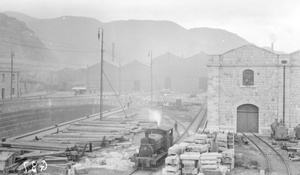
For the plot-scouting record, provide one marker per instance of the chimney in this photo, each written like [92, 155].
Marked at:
[272, 46]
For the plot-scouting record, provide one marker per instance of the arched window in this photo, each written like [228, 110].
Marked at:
[248, 77]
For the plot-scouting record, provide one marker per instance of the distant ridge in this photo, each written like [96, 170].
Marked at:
[133, 39]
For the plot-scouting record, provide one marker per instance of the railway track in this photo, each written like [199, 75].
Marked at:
[203, 109]
[273, 157]
[140, 172]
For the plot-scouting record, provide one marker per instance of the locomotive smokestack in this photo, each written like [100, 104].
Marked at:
[147, 135]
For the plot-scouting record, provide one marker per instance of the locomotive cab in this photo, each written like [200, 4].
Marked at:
[154, 148]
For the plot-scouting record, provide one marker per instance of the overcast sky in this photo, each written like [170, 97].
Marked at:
[258, 21]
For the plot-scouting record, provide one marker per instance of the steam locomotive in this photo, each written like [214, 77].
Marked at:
[154, 148]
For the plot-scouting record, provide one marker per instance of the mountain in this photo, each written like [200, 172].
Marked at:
[74, 39]
[16, 36]
[20, 16]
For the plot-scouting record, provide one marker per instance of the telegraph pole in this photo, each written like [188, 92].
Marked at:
[101, 73]
[283, 106]
[120, 76]
[150, 54]
[12, 54]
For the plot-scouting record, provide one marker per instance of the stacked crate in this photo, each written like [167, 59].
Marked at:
[228, 158]
[221, 140]
[173, 165]
[195, 156]
[210, 161]
[198, 148]
[230, 140]
[190, 163]
[201, 139]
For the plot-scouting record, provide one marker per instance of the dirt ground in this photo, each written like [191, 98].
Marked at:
[114, 159]
[253, 161]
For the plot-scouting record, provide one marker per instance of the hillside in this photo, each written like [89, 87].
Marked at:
[75, 39]
[26, 45]
[20, 16]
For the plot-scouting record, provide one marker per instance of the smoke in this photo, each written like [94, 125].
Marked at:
[273, 37]
[155, 115]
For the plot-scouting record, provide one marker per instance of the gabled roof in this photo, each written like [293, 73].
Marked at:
[249, 45]
[295, 52]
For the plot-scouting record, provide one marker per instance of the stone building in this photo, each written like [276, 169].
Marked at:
[249, 87]
[5, 83]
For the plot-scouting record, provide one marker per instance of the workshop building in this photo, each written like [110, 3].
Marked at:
[249, 87]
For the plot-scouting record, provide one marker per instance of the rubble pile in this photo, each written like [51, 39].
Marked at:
[203, 153]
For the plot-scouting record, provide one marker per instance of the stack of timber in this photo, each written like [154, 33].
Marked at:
[33, 157]
[96, 132]
[197, 157]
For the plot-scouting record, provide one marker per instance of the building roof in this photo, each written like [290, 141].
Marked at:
[79, 88]
[249, 45]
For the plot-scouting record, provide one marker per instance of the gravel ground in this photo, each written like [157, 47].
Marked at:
[253, 161]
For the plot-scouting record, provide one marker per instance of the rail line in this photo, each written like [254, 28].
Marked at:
[140, 172]
[185, 133]
[270, 160]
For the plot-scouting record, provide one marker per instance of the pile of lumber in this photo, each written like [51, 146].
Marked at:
[93, 131]
[197, 157]
[33, 157]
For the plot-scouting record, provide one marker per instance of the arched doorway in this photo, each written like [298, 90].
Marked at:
[247, 118]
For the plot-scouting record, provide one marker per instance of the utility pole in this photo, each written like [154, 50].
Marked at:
[101, 73]
[283, 110]
[151, 79]
[87, 76]
[12, 54]
[120, 77]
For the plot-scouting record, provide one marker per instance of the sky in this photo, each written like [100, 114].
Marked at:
[260, 22]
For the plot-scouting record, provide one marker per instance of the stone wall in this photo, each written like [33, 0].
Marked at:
[294, 90]
[226, 91]
[22, 117]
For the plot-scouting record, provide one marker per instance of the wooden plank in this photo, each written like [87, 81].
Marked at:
[78, 143]
[91, 133]
[35, 155]
[40, 145]
[78, 139]
[97, 129]
[100, 125]
[95, 137]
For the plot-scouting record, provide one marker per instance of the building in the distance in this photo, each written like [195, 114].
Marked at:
[249, 87]
[8, 89]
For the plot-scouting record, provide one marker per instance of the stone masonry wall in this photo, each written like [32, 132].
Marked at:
[226, 91]
[25, 116]
[295, 90]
